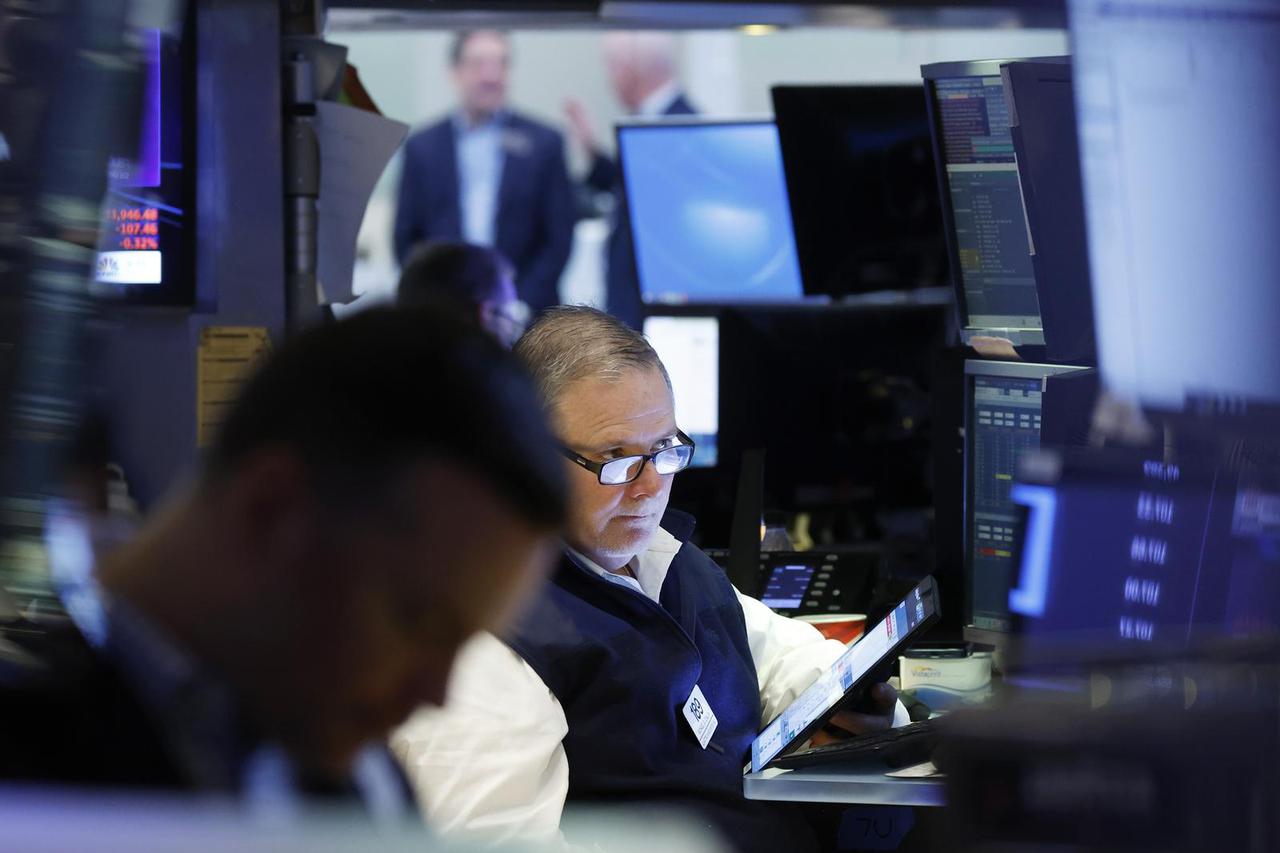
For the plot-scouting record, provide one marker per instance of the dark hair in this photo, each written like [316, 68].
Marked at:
[459, 275]
[460, 39]
[360, 399]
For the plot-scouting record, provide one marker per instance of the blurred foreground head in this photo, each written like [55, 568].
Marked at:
[382, 489]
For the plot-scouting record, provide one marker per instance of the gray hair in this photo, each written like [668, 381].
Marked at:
[575, 342]
[651, 52]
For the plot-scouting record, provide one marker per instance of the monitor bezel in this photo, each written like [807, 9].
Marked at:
[930, 74]
[788, 97]
[660, 123]
[998, 369]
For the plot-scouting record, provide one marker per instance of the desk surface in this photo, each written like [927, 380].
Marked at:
[865, 785]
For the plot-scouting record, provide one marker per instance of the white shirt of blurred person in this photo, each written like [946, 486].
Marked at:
[475, 281]
[493, 761]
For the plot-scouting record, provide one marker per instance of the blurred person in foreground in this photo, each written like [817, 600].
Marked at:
[473, 281]
[382, 489]
[642, 73]
[489, 175]
[584, 699]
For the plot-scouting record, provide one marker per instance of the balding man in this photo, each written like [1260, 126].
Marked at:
[584, 701]
[642, 72]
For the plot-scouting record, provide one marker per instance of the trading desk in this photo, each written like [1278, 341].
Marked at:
[862, 784]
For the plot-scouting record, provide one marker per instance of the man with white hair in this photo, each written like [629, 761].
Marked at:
[593, 696]
[642, 72]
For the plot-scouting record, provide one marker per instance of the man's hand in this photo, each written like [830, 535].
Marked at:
[877, 715]
[580, 125]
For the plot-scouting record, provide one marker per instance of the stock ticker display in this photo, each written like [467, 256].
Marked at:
[1151, 552]
[1005, 422]
[143, 244]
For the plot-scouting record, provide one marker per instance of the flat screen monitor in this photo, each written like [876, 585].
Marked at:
[984, 223]
[707, 202]
[864, 197]
[146, 247]
[690, 350]
[1002, 412]
[1126, 551]
[1178, 120]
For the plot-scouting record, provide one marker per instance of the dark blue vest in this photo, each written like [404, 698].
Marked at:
[623, 667]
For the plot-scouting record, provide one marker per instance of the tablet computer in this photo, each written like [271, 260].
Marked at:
[849, 677]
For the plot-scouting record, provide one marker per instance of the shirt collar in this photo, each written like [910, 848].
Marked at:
[660, 100]
[462, 126]
[650, 566]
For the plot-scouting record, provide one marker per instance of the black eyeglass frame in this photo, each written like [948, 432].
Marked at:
[597, 468]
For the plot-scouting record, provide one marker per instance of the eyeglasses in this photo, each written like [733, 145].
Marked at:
[618, 472]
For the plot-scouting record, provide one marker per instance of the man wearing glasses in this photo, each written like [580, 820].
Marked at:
[640, 675]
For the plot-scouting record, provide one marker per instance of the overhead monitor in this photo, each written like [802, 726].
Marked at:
[1003, 403]
[146, 249]
[864, 197]
[707, 202]
[690, 350]
[1178, 126]
[984, 223]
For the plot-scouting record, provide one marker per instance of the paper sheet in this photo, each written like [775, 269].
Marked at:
[355, 147]
[224, 359]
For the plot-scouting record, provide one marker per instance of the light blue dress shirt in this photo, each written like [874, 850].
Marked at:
[480, 159]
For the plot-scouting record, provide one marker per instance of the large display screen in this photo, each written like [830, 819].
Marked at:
[146, 236]
[1178, 121]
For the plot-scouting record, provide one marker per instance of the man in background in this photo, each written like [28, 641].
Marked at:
[642, 73]
[474, 281]
[382, 489]
[488, 175]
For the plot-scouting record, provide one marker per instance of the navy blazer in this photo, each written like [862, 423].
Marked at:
[622, 284]
[535, 211]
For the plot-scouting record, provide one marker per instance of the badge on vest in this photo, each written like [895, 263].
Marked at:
[700, 716]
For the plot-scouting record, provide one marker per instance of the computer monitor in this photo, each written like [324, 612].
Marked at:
[690, 350]
[864, 197]
[707, 202]
[1178, 121]
[146, 251]
[839, 397]
[1002, 413]
[1129, 553]
[984, 223]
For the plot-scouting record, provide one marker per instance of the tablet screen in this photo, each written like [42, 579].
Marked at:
[850, 668]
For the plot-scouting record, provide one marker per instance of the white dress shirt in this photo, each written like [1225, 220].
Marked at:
[659, 100]
[491, 761]
[480, 159]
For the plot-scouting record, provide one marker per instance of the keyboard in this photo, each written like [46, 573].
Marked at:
[900, 747]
